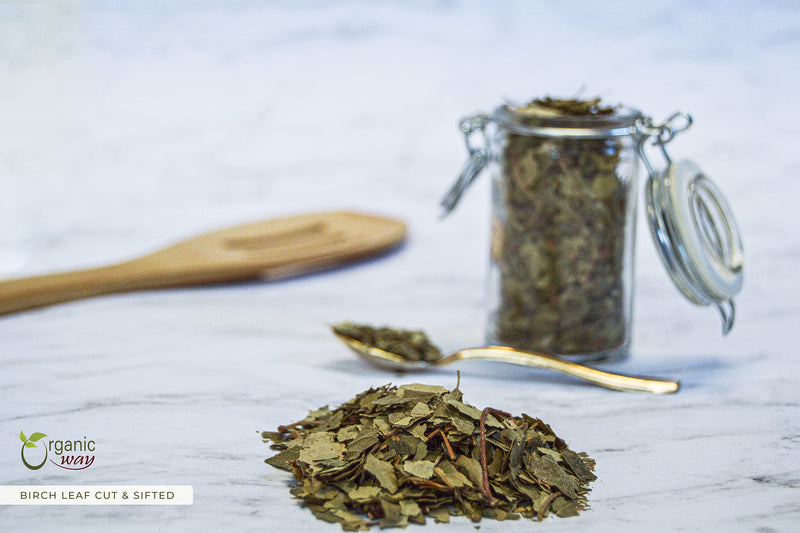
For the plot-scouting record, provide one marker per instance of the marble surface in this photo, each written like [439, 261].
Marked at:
[124, 128]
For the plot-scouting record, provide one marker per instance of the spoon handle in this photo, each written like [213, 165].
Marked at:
[604, 379]
[39, 291]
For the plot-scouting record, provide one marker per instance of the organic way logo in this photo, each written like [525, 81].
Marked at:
[30, 442]
[63, 449]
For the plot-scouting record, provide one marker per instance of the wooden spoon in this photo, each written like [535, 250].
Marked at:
[269, 249]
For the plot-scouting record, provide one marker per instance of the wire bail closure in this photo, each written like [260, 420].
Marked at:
[662, 133]
[692, 226]
[691, 223]
[478, 159]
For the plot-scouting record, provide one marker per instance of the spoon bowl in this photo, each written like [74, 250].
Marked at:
[392, 361]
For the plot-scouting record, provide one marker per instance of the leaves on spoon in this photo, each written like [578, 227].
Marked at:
[412, 345]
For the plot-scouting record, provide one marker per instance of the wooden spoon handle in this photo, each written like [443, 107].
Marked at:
[40, 291]
[274, 249]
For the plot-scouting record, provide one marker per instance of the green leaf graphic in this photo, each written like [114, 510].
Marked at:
[22, 437]
[36, 436]
[30, 445]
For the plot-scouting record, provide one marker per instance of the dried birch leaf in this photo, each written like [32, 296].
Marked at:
[392, 456]
[560, 248]
[421, 469]
[413, 345]
[383, 472]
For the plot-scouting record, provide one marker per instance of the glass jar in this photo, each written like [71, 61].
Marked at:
[564, 203]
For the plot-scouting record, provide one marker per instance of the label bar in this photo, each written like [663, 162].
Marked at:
[96, 495]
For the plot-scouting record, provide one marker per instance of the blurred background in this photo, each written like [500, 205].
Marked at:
[126, 126]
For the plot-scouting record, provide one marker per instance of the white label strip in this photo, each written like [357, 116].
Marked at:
[96, 495]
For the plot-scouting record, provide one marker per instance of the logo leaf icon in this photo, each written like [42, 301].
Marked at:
[22, 437]
[37, 436]
[30, 445]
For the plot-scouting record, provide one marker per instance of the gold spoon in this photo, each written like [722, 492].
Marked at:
[393, 361]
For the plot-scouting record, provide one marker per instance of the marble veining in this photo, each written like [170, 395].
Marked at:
[125, 127]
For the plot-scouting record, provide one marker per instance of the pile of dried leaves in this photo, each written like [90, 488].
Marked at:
[394, 455]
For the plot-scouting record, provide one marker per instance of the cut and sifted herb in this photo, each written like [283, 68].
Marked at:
[413, 345]
[567, 106]
[558, 243]
[398, 455]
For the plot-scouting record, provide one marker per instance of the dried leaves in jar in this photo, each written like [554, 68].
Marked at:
[559, 238]
[398, 455]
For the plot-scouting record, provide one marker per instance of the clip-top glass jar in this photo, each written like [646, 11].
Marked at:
[564, 193]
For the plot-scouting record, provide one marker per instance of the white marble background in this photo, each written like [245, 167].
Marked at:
[124, 127]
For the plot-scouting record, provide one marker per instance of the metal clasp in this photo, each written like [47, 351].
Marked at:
[478, 159]
[663, 133]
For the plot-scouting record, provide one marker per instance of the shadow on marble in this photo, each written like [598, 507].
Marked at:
[694, 372]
